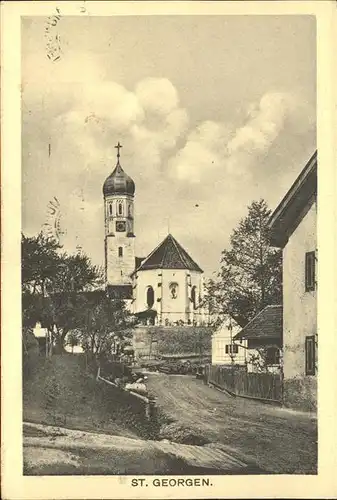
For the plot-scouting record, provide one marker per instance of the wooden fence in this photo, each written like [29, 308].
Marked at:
[267, 386]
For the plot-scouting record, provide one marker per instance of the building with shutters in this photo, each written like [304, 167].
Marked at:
[262, 337]
[293, 228]
[224, 350]
[164, 288]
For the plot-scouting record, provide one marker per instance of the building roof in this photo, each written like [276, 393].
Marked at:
[266, 324]
[118, 182]
[147, 313]
[119, 292]
[169, 254]
[294, 205]
[138, 261]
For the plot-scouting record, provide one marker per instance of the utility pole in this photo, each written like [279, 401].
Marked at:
[230, 328]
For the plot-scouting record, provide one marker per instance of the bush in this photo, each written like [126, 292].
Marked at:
[30, 353]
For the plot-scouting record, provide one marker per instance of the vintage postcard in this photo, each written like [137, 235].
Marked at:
[168, 250]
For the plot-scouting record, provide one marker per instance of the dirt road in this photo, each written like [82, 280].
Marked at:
[50, 450]
[278, 440]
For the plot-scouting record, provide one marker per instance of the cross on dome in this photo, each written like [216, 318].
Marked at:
[118, 181]
[118, 147]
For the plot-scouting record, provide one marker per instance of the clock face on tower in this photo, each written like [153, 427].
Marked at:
[120, 226]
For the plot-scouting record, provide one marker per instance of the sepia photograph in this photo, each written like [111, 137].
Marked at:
[169, 253]
[169, 250]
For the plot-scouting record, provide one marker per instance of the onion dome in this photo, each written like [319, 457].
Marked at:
[118, 182]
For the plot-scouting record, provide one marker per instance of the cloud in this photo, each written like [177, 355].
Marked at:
[157, 95]
[217, 147]
[190, 169]
[148, 121]
[202, 153]
[266, 120]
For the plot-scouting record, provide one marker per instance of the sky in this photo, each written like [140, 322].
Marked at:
[213, 112]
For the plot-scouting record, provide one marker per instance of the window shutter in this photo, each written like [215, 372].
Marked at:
[227, 348]
[310, 271]
[310, 355]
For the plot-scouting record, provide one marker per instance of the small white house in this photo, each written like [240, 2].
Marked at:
[224, 350]
[39, 332]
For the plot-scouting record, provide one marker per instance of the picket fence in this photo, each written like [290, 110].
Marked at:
[266, 386]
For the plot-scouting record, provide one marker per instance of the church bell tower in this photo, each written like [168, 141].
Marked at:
[118, 192]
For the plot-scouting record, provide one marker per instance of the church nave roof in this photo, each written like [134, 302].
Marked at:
[169, 254]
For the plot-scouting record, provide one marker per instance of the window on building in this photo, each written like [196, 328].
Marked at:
[232, 349]
[273, 356]
[120, 208]
[110, 208]
[194, 296]
[149, 296]
[310, 355]
[310, 271]
[120, 251]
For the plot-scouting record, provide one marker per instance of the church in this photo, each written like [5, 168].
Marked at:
[166, 287]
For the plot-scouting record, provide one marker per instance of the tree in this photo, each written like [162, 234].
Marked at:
[53, 286]
[67, 294]
[250, 275]
[75, 273]
[72, 339]
[103, 320]
[265, 358]
[39, 263]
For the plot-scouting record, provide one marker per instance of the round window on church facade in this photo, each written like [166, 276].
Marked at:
[149, 296]
[174, 290]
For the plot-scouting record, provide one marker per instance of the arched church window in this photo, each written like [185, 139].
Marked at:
[120, 208]
[110, 208]
[194, 296]
[150, 296]
[174, 290]
[120, 251]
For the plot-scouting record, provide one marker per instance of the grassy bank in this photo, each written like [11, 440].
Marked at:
[58, 391]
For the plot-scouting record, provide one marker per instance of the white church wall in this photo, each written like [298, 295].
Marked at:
[142, 280]
[120, 248]
[172, 294]
[120, 267]
[197, 313]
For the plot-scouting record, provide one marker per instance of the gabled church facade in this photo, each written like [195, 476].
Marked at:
[166, 287]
